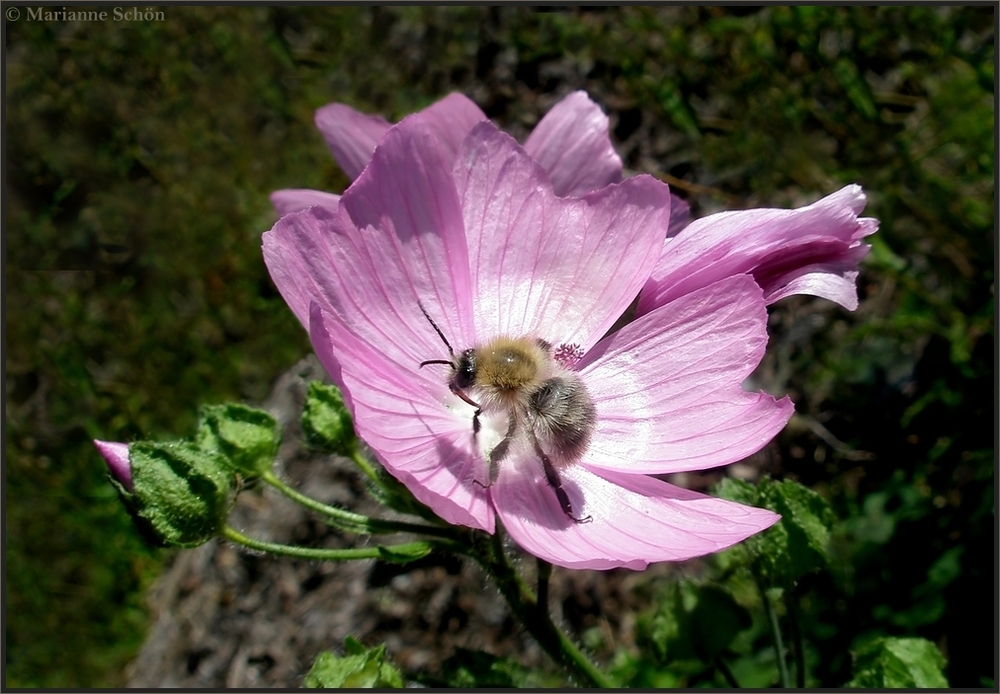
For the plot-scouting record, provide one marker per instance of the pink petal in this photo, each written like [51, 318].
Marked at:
[635, 520]
[778, 247]
[667, 387]
[295, 199]
[571, 143]
[680, 215]
[300, 252]
[450, 120]
[401, 413]
[116, 456]
[833, 278]
[396, 240]
[563, 269]
[350, 135]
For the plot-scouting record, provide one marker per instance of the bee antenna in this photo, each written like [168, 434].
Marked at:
[440, 334]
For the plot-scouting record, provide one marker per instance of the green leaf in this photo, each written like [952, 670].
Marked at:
[360, 668]
[693, 623]
[181, 491]
[246, 437]
[468, 669]
[404, 554]
[797, 544]
[889, 662]
[716, 620]
[325, 420]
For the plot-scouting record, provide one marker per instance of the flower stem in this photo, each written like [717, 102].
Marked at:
[533, 614]
[720, 664]
[800, 655]
[236, 536]
[779, 648]
[366, 467]
[544, 572]
[354, 522]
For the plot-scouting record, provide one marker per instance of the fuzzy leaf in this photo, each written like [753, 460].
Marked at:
[181, 491]
[361, 668]
[404, 554]
[693, 622]
[246, 437]
[797, 544]
[472, 669]
[898, 663]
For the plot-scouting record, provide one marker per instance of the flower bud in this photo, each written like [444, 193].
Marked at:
[177, 493]
[116, 456]
[326, 421]
[246, 438]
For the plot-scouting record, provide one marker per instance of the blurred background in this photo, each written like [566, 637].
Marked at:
[139, 158]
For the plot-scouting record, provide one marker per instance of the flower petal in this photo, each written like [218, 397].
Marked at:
[634, 519]
[409, 218]
[680, 215]
[422, 443]
[563, 269]
[778, 247]
[295, 199]
[667, 387]
[116, 456]
[450, 120]
[395, 241]
[350, 135]
[571, 143]
[834, 279]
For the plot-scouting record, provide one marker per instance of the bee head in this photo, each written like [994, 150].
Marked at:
[465, 369]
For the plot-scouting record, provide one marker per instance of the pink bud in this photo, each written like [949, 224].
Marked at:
[116, 456]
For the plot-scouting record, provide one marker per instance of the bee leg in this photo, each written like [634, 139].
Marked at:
[552, 475]
[498, 453]
[479, 410]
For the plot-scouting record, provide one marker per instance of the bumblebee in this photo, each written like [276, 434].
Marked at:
[546, 404]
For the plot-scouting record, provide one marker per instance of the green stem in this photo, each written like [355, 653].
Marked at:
[354, 522]
[544, 572]
[720, 664]
[779, 648]
[236, 536]
[366, 467]
[536, 619]
[800, 655]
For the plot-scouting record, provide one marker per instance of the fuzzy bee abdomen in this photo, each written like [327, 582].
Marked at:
[562, 415]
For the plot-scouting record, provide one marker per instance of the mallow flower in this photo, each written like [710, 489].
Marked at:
[473, 236]
[570, 143]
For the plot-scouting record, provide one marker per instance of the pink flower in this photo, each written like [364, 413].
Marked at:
[570, 143]
[116, 456]
[475, 233]
[811, 250]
